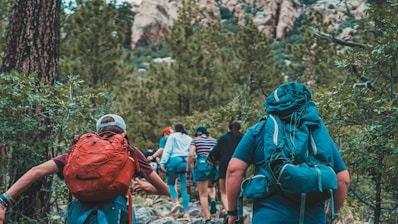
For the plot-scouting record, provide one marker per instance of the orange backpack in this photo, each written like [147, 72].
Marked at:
[99, 167]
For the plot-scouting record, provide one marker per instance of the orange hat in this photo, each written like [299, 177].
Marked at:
[167, 130]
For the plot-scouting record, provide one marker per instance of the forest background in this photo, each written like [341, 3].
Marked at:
[219, 72]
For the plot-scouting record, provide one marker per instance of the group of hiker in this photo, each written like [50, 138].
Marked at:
[290, 139]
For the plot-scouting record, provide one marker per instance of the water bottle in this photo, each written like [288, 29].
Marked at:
[188, 186]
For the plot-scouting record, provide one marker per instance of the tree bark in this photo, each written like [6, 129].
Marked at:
[32, 45]
[33, 39]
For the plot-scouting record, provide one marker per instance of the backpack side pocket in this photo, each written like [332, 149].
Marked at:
[258, 186]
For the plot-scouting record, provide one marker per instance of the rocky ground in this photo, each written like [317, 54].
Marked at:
[149, 210]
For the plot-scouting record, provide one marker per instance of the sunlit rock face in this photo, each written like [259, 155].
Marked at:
[274, 17]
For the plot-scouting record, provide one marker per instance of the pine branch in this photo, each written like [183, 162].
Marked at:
[338, 40]
[362, 199]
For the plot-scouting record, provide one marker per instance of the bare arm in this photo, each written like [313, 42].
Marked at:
[192, 151]
[343, 181]
[155, 185]
[156, 154]
[31, 176]
[235, 172]
[27, 179]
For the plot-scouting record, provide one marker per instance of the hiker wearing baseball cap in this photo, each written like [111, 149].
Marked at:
[117, 121]
[111, 123]
[201, 146]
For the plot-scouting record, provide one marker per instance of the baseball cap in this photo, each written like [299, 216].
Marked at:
[167, 130]
[118, 122]
[202, 129]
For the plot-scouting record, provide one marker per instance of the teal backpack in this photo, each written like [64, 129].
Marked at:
[297, 148]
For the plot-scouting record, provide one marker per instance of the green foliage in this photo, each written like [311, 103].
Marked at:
[217, 119]
[225, 13]
[198, 79]
[219, 72]
[378, 60]
[71, 109]
[312, 59]
[374, 146]
[363, 123]
[141, 57]
[27, 105]
[210, 68]
[92, 44]
[255, 65]
[126, 17]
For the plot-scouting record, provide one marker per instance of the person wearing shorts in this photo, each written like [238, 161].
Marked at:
[201, 146]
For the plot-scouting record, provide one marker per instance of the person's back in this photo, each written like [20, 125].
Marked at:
[114, 211]
[225, 147]
[222, 153]
[177, 144]
[275, 207]
[174, 157]
[201, 147]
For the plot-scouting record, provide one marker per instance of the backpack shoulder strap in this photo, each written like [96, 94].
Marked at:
[260, 124]
[134, 157]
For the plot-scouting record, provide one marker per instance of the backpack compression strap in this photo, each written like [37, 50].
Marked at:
[101, 218]
[130, 208]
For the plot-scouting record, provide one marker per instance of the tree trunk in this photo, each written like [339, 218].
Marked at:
[32, 44]
[33, 39]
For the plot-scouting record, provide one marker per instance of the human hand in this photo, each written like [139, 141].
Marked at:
[163, 169]
[149, 158]
[142, 186]
[2, 214]
[329, 218]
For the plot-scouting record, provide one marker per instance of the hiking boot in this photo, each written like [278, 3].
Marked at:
[175, 207]
[213, 208]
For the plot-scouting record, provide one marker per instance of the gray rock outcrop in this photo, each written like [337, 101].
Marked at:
[274, 17]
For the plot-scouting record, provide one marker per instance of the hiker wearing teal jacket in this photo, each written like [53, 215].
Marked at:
[276, 208]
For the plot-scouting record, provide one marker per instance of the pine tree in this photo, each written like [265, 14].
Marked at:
[374, 149]
[92, 44]
[196, 80]
[312, 58]
[257, 70]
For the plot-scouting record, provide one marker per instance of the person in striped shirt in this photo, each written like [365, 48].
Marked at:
[201, 146]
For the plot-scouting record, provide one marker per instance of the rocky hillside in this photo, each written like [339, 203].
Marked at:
[274, 17]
